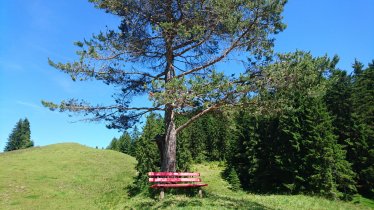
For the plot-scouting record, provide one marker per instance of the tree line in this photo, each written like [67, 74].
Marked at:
[317, 139]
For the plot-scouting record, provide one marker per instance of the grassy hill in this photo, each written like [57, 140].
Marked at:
[64, 176]
[71, 176]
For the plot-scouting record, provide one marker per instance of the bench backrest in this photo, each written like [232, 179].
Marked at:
[173, 177]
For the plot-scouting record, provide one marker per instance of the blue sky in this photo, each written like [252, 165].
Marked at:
[33, 30]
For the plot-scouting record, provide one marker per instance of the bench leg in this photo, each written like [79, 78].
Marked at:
[162, 194]
[200, 193]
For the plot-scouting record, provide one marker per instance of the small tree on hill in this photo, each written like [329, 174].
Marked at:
[20, 138]
[113, 145]
[125, 143]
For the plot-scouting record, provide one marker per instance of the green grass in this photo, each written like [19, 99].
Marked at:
[64, 176]
[219, 196]
[365, 201]
[71, 176]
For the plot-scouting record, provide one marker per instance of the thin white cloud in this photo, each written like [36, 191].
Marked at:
[9, 66]
[29, 104]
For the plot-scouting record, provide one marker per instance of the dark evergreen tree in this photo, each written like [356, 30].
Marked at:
[135, 136]
[351, 133]
[216, 127]
[184, 156]
[113, 145]
[208, 138]
[296, 150]
[233, 179]
[363, 103]
[357, 67]
[325, 169]
[242, 155]
[124, 143]
[364, 97]
[146, 151]
[196, 136]
[20, 138]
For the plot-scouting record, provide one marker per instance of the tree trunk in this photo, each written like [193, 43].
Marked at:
[169, 149]
[169, 146]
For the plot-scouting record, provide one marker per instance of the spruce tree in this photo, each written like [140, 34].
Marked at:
[124, 142]
[146, 151]
[295, 150]
[324, 166]
[363, 103]
[357, 67]
[20, 137]
[233, 179]
[350, 130]
[113, 145]
[135, 136]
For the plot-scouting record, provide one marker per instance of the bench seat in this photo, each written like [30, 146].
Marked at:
[178, 185]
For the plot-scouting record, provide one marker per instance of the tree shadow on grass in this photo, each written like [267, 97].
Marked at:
[229, 202]
[209, 201]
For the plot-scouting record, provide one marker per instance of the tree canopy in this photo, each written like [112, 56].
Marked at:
[168, 50]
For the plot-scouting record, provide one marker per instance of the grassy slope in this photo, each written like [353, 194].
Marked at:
[71, 176]
[63, 176]
[219, 196]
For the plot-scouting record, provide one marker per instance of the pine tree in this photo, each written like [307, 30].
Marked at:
[167, 50]
[20, 138]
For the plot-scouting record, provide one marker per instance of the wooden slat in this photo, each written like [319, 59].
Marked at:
[172, 174]
[178, 185]
[174, 180]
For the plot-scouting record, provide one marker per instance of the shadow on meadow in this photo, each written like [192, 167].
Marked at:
[188, 200]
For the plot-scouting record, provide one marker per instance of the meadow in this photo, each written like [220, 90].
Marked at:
[72, 176]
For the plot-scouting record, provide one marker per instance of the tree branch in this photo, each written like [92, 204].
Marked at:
[217, 59]
[194, 118]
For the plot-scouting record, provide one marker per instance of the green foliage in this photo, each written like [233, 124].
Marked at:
[146, 151]
[167, 50]
[177, 45]
[294, 151]
[125, 145]
[233, 178]
[218, 195]
[350, 101]
[113, 145]
[363, 103]
[208, 138]
[20, 137]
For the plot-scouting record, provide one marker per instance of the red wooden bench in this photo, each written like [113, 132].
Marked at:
[164, 180]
